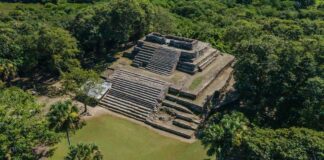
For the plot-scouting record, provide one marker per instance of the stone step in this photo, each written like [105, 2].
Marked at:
[136, 63]
[186, 64]
[185, 133]
[148, 49]
[124, 114]
[141, 59]
[160, 68]
[133, 90]
[162, 59]
[186, 70]
[176, 106]
[184, 102]
[137, 100]
[143, 56]
[144, 53]
[139, 108]
[141, 77]
[186, 116]
[185, 124]
[163, 63]
[148, 84]
[123, 111]
[209, 53]
[126, 83]
[135, 81]
[113, 98]
[136, 92]
[124, 106]
[158, 72]
[150, 45]
[206, 63]
[138, 96]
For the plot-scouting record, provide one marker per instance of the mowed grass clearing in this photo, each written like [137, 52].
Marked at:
[119, 139]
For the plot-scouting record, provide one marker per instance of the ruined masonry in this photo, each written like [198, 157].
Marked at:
[169, 83]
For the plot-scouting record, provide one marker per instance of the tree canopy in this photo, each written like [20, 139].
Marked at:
[24, 129]
[105, 26]
[232, 136]
[84, 152]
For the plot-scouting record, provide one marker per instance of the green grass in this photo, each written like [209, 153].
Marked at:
[120, 139]
[195, 83]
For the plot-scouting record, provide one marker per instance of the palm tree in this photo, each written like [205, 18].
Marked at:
[84, 152]
[64, 117]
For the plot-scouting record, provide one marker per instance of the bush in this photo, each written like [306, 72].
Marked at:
[86, 99]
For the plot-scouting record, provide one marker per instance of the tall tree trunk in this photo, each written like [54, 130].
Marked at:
[85, 108]
[68, 137]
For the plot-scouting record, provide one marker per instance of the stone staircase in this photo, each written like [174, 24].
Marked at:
[133, 95]
[199, 64]
[145, 52]
[203, 61]
[184, 112]
[182, 120]
[163, 61]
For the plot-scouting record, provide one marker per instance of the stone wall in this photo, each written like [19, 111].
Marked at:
[155, 38]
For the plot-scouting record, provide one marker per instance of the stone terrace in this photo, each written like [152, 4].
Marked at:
[149, 89]
[133, 95]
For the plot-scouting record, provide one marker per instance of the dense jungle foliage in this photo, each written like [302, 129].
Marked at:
[279, 46]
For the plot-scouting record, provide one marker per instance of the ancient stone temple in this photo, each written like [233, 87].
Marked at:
[169, 82]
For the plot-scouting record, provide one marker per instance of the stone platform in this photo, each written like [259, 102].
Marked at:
[168, 83]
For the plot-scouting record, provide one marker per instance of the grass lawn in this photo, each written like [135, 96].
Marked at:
[195, 83]
[119, 139]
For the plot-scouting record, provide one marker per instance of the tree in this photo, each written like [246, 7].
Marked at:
[230, 136]
[23, 128]
[304, 3]
[223, 135]
[270, 75]
[84, 152]
[64, 117]
[79, 82]
[11, 53]
[26, 47]
[313, 112]
[286, 143]
[110, 25]
[8, 70]
[57, 50]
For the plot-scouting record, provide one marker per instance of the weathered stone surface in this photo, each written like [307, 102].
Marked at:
[133, 95]
[155, 93]
[155, 37]
[164, 61]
